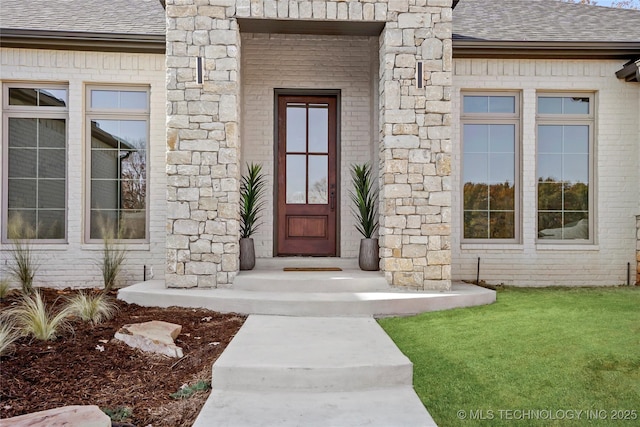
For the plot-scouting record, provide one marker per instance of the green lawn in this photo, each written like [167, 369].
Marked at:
[533, 351]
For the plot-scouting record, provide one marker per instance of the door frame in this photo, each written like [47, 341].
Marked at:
[277, 92]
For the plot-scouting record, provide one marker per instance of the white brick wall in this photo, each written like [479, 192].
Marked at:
[309, 62]
[73, 263]
[617, 176]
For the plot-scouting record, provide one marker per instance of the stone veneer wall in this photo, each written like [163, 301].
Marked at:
[203, 141]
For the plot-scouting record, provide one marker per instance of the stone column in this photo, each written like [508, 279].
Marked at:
[415, 145]
[638, 250]
[202, 143]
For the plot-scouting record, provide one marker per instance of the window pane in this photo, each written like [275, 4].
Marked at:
[476, 196]
[104, 194]
[132, 225]
[476, 168]
[489, 104]
[502, 104]
[21, 224]
[104, 164]
[502, 225]
[23, 162]
[23, 132]
[550, 167]
[23, 96]
[52, 164]
[576, 197]
[567, 226]
[296, 128]
[501, 168]
[318, 179]
[550, 139]
[476, 225]
[476, 138]
[576, 139]
[133, 194]
[475, 104]
[116, 99]
[51, 193]
[549, 196]
[319, 129]
[104, 223]
[52, 97]
[22, 193]
[502, 138]
[296, 179]
[51, 224]
[563, 105]
[52, 133]
[502, 197]
[576, 168]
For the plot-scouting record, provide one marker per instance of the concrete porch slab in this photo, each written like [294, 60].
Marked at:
[393, 302]
[283, 353]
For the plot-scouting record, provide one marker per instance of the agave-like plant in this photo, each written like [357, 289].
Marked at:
[365, 199]
[32, 318]
[251, 199]
[92, 308]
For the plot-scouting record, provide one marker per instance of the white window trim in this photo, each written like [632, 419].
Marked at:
[494, 118]
[114, 114]
[570, 119]
[29, 112]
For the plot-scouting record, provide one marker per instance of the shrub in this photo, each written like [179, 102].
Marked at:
[24, 265]
[92, 308]
[8, 335]
[252, 190]
[5, 288]
[365, 199]
[186, 391]
[32, 318]
[112, 258]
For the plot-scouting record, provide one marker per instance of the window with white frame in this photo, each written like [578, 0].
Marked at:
[117, 130]
[565, 166]
[490, 166]
[35, 161]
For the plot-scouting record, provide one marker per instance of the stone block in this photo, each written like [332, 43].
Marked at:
[75, 415]
[154, 337]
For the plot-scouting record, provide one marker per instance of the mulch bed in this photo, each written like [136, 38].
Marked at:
[73, 371]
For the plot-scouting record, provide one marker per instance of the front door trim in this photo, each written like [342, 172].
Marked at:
[278, 92]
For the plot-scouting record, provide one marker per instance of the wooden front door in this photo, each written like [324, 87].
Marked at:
[307, 178]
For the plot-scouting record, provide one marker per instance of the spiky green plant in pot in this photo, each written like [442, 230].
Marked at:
[252, 189]
[365, 200]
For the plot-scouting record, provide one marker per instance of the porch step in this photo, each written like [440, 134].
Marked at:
[390, 407]
[276, 280]
[278, 263]
[392, 302]
[319, 354]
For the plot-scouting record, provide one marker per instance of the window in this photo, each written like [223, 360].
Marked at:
[564, 166]
[117, 129]
[490, 150]
[35, 156]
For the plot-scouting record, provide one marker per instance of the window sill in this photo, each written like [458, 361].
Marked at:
[567, 247]
[41, 247]
[98, 246]
[492, 246]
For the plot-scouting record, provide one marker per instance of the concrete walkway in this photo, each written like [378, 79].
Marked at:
[312, 371]
[310, 353]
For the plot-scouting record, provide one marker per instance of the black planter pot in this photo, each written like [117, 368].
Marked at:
[247, 254]
[369, 257]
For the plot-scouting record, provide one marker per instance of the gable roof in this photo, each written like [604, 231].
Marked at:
[544, 28]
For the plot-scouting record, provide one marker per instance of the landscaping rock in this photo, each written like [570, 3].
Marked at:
[155, 336]
[68, 416]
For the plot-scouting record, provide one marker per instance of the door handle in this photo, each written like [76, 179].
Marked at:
[332, 197]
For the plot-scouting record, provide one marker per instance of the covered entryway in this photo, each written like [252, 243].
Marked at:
[307, 175]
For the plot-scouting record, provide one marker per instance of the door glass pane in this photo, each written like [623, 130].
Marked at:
[319, 128]
[318, 179]
[296, 128]
[296, 182]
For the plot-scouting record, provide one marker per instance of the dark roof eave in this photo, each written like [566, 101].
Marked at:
[630, 72]
[474, 48]
[69, 40]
